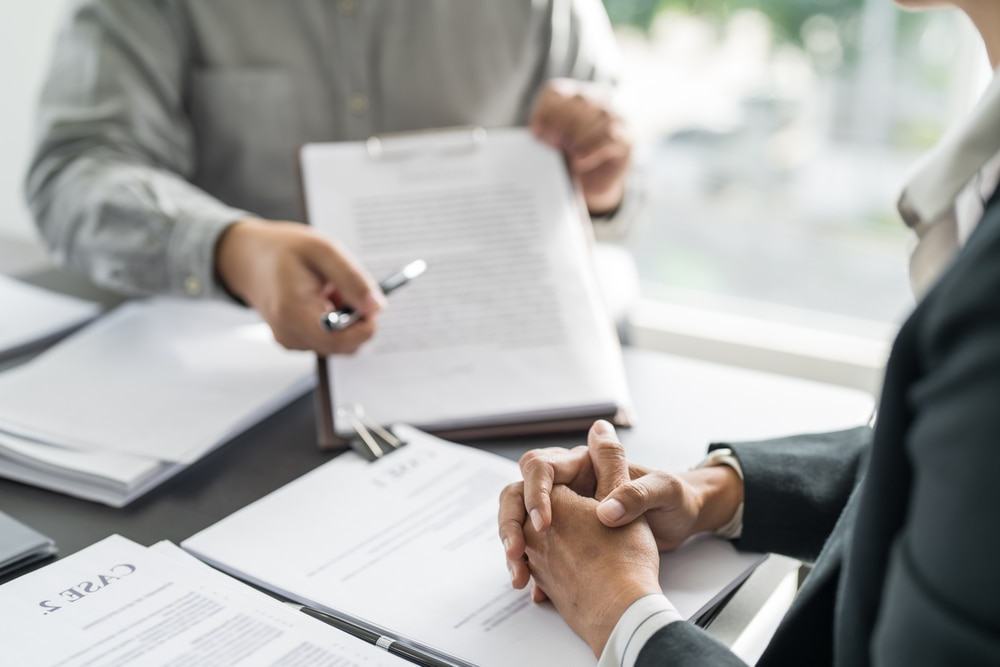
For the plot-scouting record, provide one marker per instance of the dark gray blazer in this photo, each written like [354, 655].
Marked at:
[903, 522]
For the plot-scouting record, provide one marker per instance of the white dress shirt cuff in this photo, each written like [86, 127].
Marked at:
[733, 528]
[639, 622]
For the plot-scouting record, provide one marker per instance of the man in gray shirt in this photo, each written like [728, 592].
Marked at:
[168, 129]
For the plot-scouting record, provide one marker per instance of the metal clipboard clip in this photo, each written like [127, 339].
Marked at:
[371, 441]
[402, 145]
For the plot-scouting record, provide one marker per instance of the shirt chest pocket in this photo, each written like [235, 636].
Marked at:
[247, 127]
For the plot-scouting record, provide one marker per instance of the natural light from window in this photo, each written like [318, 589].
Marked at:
[773, 137]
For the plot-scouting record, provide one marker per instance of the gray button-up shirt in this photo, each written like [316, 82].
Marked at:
[164, 121]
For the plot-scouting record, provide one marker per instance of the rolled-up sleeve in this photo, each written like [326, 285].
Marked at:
[108, 184]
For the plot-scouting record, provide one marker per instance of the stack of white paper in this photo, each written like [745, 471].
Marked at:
[33, 316]
[114, 410]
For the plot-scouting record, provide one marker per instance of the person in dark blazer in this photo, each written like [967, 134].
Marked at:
[899, 521]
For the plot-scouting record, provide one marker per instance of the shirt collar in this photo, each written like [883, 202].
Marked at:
[941, 175]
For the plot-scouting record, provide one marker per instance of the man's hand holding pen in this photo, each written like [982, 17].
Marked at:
[291, 275]
[340, 319]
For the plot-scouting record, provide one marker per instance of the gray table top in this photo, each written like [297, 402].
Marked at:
[682, 404]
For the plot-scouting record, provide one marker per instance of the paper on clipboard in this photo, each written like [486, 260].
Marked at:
[506, 331]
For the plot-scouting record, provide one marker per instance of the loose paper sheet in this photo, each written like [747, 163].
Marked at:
[409, 544]
[117, 603]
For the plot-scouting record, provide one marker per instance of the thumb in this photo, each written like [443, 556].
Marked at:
[633, 499]
[608, 458]
[353, 284]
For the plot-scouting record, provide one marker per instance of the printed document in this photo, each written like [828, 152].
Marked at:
[408, 546]
[118, 603]
[507, 325]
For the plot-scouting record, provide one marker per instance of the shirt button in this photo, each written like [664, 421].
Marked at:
[347, 7]
[192, 285]
[358, 103]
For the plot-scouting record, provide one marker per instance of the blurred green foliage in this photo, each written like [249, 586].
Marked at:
[787, 16]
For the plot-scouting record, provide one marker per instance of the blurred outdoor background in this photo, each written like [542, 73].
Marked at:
[774, 136]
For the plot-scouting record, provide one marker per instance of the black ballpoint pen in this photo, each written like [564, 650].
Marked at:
[415, 655]
[344, 317]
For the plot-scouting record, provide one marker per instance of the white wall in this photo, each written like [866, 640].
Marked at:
[27, 30]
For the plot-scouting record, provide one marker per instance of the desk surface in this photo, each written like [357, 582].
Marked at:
[681, 404]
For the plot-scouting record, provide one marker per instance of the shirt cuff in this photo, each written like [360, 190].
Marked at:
[191, 254]
[644, 618]
[733, 528]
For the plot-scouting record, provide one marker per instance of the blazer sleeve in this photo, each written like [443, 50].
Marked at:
[795, 488]
[681, 644]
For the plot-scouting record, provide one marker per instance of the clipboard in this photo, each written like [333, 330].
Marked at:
[485, 208]
[329, 438]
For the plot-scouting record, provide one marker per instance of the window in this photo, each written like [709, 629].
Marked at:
[773, 137]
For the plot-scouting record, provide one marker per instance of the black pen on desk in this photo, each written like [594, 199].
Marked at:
[420, 657]
[345, 317]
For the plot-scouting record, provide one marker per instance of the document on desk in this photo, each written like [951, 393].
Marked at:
[506, 329]
[33, 316]
[162, 378]
[408, 546]
[117, 408]
[118, 603]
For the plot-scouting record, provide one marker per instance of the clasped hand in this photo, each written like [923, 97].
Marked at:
[586, 526]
